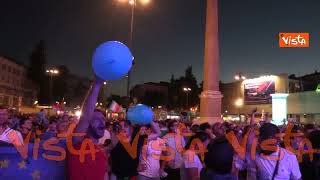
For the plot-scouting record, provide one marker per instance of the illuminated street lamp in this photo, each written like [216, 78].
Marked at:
[239, 77]
[187, 90]
[133, 4]
[51, 72]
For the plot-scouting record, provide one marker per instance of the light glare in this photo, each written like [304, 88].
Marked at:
[145, 1]
[78, 113]
[239, 102]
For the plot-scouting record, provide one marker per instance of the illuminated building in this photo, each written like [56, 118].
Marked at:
[16, 89]
[302, 105]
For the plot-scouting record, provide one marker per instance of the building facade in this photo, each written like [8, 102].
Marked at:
[242, 97]
[16, 89]
[150, 93]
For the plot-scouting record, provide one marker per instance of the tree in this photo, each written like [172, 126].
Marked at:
[153, 98]
[37, 63]
[36, 70]
[60, 83]
[177, 97]
[77, 93]
[292, 76]
[172, 78]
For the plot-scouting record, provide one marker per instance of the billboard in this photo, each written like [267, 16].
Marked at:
[259, 90]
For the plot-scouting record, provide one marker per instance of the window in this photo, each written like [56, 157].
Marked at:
[4, 67]
[9, 69]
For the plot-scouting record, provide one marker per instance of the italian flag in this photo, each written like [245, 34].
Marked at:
[115, 107]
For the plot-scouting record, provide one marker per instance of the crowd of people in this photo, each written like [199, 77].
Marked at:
[170, 150]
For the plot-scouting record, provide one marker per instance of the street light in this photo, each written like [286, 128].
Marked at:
[51, 72]
[239, 77]
[133, 4]
[187, 90]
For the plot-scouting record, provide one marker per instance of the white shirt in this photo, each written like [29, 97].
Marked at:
[247, 164]
[150, 157]
[288, 166]
[178, 159]
[190, 160]
[105, 137]
[11, 136]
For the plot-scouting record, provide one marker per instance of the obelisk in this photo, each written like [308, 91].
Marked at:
[210, 98]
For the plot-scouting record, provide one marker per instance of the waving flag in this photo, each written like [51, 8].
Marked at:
[13, 166]
[115, 107]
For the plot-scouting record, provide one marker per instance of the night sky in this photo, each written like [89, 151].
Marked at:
[168, 35]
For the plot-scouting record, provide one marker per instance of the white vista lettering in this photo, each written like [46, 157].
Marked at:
[294, 41]
[286, 40]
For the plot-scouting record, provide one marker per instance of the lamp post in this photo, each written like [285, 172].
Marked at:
[133, 4]
[51, 72]
[187, 90]
[240, 78]
[105, 96]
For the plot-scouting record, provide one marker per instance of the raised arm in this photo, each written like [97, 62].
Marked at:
[253, 117]
[88, 108]
[251, 133]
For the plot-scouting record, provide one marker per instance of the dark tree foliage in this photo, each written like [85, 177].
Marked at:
[177, 97]
[36, 70]
[153, 98]
[60, 83]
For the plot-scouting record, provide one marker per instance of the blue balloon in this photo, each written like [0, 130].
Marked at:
[140, 114]
[112, 60]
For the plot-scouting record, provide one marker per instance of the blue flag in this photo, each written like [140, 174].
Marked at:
[14, 167]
